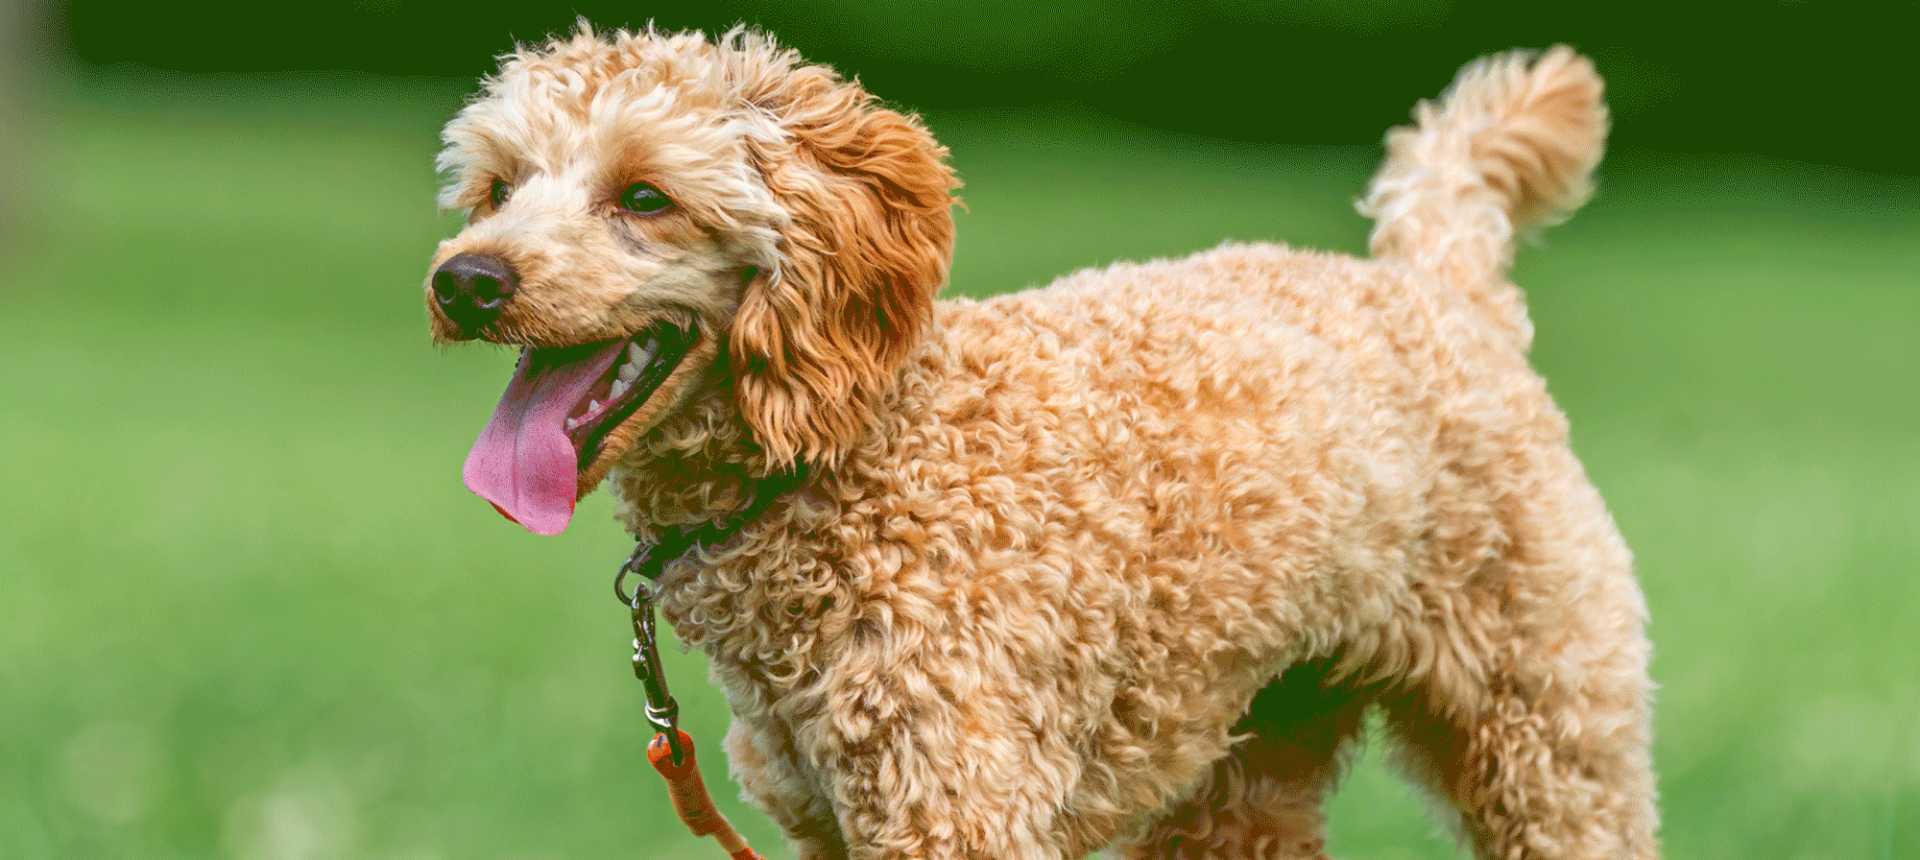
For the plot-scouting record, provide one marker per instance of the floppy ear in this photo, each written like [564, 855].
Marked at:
[866, 244]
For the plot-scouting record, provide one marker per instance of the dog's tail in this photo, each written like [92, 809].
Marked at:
[1511, 146]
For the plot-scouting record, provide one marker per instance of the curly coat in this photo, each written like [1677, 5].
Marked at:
[1118, 562]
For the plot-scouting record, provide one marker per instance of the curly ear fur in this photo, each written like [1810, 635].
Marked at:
[865, 247]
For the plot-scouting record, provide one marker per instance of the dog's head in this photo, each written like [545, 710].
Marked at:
[655, 218]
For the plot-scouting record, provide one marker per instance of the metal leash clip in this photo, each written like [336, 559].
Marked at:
[663, 713]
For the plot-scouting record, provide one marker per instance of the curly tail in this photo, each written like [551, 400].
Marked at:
[1511, 146]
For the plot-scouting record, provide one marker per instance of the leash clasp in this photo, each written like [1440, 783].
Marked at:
[663, 713]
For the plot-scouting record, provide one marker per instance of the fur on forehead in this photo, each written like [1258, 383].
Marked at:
[672, 109]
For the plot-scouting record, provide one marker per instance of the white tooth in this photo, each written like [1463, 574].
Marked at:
[573, 423]
[633, 350]
[593, 406]
[628, 371]
[619, 387]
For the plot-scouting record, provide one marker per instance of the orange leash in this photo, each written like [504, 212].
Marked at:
[690, 797]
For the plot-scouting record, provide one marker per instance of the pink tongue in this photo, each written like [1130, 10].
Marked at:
[523, 461]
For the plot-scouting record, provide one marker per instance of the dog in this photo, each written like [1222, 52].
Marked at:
[1117, 563]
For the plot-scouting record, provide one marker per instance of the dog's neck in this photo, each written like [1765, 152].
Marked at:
[702, 464]
[782, 579]
[696, 467]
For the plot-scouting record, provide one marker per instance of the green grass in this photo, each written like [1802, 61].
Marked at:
[247, 610]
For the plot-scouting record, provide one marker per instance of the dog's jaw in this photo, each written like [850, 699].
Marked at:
[682, 380]
[568, 414]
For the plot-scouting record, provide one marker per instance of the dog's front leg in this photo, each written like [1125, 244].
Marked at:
[936, 766]
[894, 802]
[761, 756]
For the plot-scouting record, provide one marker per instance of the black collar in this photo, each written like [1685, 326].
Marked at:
[649, 560]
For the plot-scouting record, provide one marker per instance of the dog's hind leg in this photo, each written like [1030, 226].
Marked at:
[1530, 715]
[1264, 799]
[1539, 774]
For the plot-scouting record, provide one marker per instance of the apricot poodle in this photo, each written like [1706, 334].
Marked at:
[1120, 562]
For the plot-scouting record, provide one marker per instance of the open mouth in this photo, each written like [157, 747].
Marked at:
[644, 362]
[553, 421]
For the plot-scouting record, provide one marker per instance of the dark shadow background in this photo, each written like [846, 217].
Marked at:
[1823, 82]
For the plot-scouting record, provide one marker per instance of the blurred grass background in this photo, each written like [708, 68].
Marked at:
[248, 611]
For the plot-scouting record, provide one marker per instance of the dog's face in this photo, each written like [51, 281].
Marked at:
[651, 216]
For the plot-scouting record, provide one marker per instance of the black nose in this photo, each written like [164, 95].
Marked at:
[472, 288]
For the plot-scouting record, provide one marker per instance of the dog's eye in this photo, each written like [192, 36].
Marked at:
[498, 192]
[644, 199]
